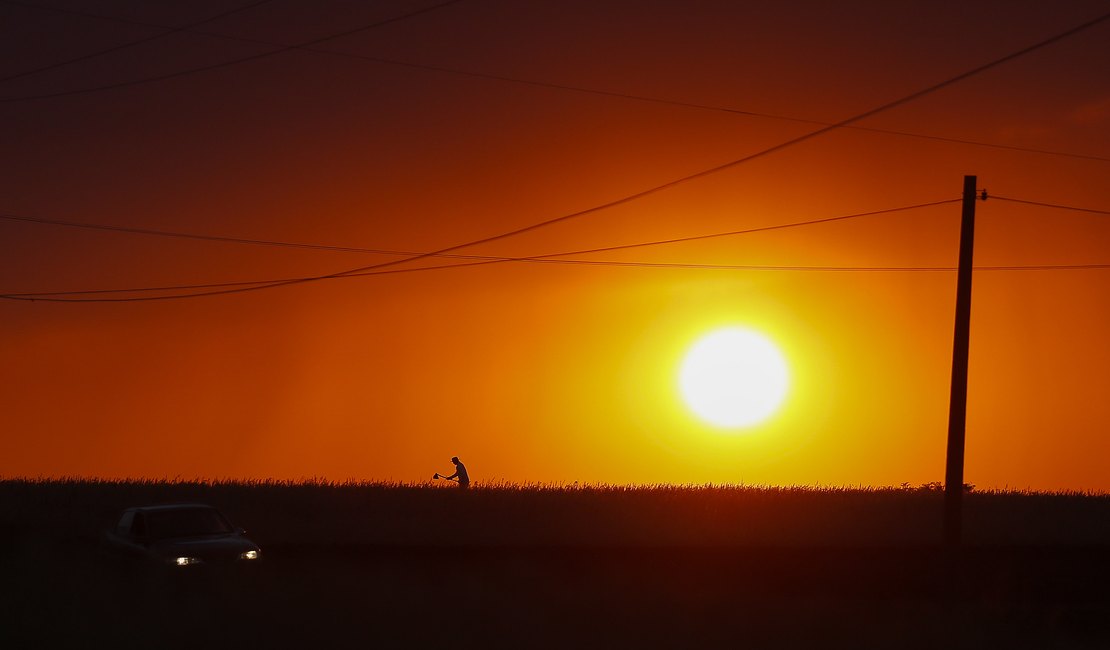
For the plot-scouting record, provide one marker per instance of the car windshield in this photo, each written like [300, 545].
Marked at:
[186, 523]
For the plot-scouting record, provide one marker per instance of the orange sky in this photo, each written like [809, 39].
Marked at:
[550, 372]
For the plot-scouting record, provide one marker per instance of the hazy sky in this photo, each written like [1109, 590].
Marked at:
[415, 131]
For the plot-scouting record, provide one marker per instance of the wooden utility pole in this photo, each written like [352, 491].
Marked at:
[957, 408]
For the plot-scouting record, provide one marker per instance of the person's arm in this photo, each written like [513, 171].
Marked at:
[452, 476]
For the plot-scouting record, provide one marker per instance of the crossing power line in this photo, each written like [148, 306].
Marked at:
[499, 78]
[381, 251]
[167, 31]
[224, 64]
[643, 193]
[675, 182]
[104, 295]
[475, 260]
[57, 296]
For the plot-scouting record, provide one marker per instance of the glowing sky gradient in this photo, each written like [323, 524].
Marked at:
[549, 372]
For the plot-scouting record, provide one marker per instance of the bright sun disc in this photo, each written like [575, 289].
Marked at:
[734, 377]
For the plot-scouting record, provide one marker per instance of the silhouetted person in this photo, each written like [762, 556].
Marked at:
[460, 473]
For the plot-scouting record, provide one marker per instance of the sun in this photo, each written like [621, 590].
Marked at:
[734, 377]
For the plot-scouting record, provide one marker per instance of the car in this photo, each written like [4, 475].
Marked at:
[181, 536]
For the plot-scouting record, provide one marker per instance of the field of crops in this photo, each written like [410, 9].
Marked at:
[377, 565]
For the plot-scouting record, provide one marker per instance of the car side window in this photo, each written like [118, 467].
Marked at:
[138, 527]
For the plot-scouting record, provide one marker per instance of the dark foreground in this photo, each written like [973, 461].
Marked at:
[378, 566]
[69, 596]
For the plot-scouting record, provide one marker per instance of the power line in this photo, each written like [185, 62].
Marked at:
[381, 251]
[54, 296]
[690, 177]
[198, 236]
[231, 62]
[478, 259]
[673, 183]
[566, 87]
[554, 258]
[123, 46]
[677, 240]
[699, 106]
[1056, 206]
[550, 258]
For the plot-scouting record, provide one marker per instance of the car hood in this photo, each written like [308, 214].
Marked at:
[208, 548]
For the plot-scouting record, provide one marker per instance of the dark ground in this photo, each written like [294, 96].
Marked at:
[372, 566]
[412, 597]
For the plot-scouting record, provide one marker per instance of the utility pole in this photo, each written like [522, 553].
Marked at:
[957, 408]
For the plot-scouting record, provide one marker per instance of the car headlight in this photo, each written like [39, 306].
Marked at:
[187, 561]
[250, 555]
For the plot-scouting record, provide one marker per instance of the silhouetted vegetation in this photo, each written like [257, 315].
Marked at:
[321, 511]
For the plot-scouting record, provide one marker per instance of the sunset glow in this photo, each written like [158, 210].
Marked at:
[498, 230]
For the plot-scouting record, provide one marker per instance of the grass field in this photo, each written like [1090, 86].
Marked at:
[372, 565]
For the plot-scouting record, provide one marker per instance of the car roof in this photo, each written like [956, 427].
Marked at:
[171, 507]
